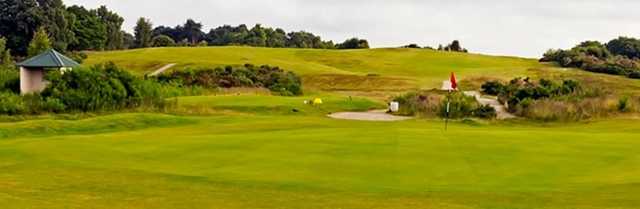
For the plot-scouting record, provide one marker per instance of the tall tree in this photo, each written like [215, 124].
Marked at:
[192, 31]
[90, 31]
[129, 41]
[39, 43]
[113, 23]
[57, 22]
[257, 36]
[19, 19]
[5, 54]
[143, 33]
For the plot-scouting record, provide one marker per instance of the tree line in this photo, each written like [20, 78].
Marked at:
[191, 34]
[69, 28]
[620, 56]
[76, 28]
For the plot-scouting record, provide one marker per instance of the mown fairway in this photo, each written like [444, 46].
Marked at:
[256, 151]
[270, 161]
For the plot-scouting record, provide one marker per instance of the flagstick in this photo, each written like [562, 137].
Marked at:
[446, 120]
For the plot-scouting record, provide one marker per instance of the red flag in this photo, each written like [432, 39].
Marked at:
[454, 82]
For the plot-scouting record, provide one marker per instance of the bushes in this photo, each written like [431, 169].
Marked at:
[101, 88]
[79, 57]
[492, 88]
[519, 93]
[9, 80]
[273, 78]
[10, 104]
[162, 41]
[434, 104]
[353, 43]
[460, 106]
[549, 100]
[618, 57]
[485, 111]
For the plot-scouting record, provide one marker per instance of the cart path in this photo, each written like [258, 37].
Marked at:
[375, 115]
[162, 69]
[501, 110]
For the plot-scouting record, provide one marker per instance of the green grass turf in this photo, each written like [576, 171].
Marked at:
[306, 161]
[253, 151]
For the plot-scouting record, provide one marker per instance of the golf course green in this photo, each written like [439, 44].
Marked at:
[255, 150]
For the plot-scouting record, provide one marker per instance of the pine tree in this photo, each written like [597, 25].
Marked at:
[39, 43]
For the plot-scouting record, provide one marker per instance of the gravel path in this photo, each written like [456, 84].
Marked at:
[376, 115]
[162, 69]
[501, 110]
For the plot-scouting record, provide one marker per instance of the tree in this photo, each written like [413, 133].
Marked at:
[163, 41]
[19, 19]
[113, 24]
[166, 31]
[129, 41]
[39, 43]
[192, 31]
[143, 33]
[276, 38]
[91, 32]
[57, 22]
[257, 36]
[455, 46]
[354, 43]
[629, 47]
[5, 54]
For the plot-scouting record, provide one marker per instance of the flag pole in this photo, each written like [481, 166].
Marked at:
[454, 86]
[446, 119]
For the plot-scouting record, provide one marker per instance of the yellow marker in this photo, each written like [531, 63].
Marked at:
[317, 101]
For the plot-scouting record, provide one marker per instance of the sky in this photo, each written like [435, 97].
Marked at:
[498, 27]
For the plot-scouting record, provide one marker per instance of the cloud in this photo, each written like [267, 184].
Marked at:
[522, 28]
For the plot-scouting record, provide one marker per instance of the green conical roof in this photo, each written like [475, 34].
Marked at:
[49, 59]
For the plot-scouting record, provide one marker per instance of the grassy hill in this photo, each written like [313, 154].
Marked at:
[378, 70]
[407, 67]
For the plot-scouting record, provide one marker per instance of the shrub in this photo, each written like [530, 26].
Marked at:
[635, 74]
[424, 104]
[623, 104]
[79, 57]
[10, 104]
[492, 88]
[102, 87]
[618, 57]
[460, 105]
[162, 41]
[434, 104]
[485, 111]
[353, 43]
[9, 80]
[273, 78]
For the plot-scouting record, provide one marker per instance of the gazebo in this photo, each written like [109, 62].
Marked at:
[32, 70]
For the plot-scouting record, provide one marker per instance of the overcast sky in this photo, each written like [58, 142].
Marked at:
[501, 27]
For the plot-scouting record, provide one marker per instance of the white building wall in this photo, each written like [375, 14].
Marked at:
[31, 80]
